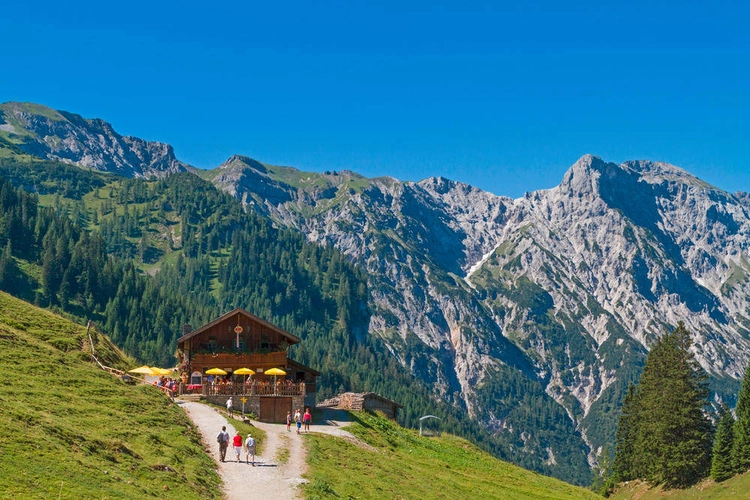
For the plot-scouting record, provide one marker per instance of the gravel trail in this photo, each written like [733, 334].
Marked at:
[269, 478]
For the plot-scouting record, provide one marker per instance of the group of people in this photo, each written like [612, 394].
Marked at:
[248, 445]
[299, 420]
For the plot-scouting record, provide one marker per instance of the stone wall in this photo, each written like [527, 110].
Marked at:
[252, 405]
[356, 401]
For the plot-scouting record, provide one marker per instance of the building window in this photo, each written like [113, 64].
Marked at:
[212, 345]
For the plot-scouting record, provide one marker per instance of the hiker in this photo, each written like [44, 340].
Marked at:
[230, 407]
[298, 420]
[307, 419]
[223, 440]
[250, 449]
[289, 421]
[237, 445]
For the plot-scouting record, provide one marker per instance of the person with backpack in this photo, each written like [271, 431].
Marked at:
[250, 449]
[223, 439]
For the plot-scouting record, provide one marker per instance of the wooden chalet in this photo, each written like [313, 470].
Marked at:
[237, 340]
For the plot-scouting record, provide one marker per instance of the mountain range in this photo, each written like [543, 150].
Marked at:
[494, 302]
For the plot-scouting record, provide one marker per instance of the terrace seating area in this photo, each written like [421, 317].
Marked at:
[251, 388]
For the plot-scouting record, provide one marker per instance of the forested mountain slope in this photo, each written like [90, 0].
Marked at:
[142, 258]
[529, 315]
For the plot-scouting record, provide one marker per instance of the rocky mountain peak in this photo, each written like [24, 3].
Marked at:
[92, 143]
[582, 179]
[240, 161]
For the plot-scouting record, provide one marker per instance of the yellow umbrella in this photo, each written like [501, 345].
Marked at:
[161, 371]
[216, 371]
[274, 372]
[244, 371]
[143, 370]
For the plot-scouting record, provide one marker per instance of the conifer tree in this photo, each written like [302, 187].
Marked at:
[671, 434]
[622, 466]
[721, 461]
[741, 447]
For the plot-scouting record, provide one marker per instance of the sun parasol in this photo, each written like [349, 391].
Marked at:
[274, 372]
[245, 372]
[216, 371]
[143, 370]
[161, 371]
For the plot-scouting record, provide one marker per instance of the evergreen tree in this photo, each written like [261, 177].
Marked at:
[667, 435]
[741, 447]
[622, 466]
[9, 275]
[721, 461]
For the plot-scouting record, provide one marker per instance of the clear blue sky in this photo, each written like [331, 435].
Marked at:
[504, 96]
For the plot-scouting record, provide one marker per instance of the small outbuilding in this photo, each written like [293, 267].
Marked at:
[359, 401]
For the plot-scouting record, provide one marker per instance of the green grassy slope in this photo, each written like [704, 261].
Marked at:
[735, 488]
[398, 463]
[71, 430]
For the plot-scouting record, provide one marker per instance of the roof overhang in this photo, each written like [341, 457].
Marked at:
[292, 338]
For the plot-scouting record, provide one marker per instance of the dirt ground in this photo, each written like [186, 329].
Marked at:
[269, 478]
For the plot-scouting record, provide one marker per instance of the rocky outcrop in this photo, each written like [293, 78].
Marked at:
[565, 288]
[91, 143]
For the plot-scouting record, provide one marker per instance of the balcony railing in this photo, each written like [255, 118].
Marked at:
[254, 388]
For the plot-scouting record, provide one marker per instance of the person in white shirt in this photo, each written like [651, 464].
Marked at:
[230, 407]
[250, 449]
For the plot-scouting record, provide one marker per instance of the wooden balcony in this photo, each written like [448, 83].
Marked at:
[239, 360]
[249, 389]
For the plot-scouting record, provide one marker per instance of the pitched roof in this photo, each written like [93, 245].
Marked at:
[294, 364]
[292, 339]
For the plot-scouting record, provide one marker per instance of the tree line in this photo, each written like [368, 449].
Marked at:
[64, 258]
[666, 433]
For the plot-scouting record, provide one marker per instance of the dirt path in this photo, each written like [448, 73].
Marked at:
[269, 478]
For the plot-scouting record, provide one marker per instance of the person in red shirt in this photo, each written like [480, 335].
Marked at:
[237, 442]
[307, 419]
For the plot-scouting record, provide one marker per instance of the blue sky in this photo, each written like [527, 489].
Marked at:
[504, 96]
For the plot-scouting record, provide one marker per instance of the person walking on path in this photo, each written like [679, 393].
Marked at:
[230, 407]
[237, 445]
[289, 421]
[250, 449]
[307, 419]
[298, 420]
[223, 439]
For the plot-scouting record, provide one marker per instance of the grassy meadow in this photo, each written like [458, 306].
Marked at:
[735, 488]
[71, 430]
[397, 463]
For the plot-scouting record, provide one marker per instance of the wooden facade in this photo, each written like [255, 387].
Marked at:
[237, 340]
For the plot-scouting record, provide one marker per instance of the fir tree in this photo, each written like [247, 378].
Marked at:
[721, 461]
[667, 436]
[622, 466]
[741, 448]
